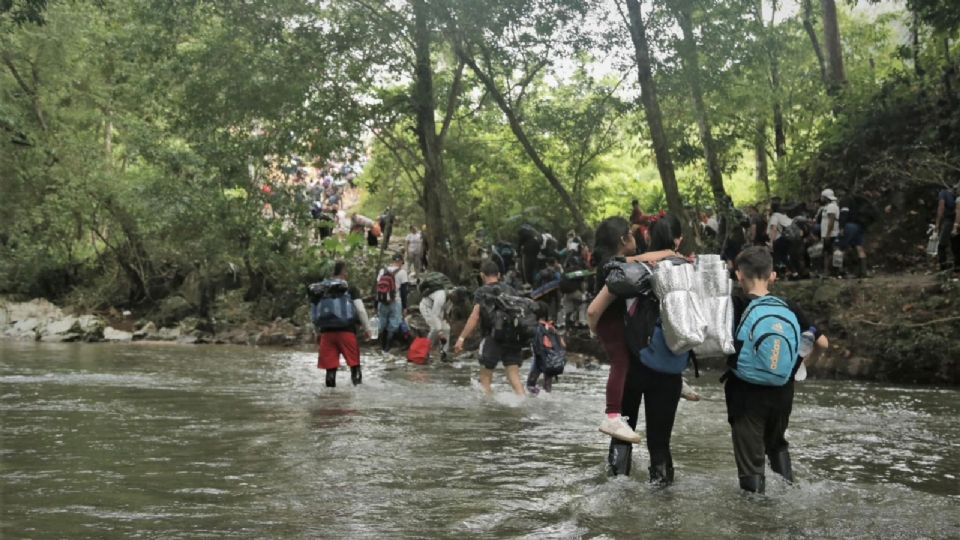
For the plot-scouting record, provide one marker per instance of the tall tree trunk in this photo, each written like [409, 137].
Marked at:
[516, 126]
[779, 129]
[760, 149]
[915, 31]
[691, 61]
[108, 136]
[831, 37]
[651, 108]
[811, 31]
[442, 223]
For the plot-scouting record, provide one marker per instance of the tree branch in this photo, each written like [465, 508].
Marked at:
[528, 79]
[453, 100]
[16, 74]
[517, 128]
[397, 19]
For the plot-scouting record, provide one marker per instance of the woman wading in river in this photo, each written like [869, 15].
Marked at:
[630, 380]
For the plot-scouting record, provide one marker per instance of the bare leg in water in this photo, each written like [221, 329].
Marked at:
[513, 375]
[486, 378]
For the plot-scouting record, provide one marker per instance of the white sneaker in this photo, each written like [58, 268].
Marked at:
[688, 393]
[619, 429]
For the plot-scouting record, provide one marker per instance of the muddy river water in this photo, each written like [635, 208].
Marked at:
[139, 441]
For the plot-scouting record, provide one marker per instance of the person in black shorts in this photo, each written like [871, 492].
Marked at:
[491, 352]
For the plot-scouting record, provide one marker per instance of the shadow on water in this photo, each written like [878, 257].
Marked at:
[179, 442]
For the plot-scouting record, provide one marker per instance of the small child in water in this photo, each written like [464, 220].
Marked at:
[546, 341]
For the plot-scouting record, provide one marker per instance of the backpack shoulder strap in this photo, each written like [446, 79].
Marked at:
[755, 303]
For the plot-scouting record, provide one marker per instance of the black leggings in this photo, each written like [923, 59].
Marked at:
[662, 394]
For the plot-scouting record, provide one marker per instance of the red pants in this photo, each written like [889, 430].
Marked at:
[333, 344]
[612, 335]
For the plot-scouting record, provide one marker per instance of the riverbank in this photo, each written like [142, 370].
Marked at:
[902, 328]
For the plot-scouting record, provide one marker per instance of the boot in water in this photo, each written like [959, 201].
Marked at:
[780, 463]
[355, 376]
[753, 483]
[661, 474]
[331, 378]
[619, 458]
[384, 341]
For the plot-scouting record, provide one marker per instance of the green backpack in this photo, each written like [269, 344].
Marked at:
[431, 282]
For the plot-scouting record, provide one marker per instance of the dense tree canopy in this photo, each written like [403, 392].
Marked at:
[137, 136]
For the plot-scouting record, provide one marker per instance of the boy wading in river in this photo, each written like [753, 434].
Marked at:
[759, 379]
[504, 333]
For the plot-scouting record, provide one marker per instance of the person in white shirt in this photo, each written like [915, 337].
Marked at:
[414, 248]
[829, 226]
[435, 309]
[781, 245]
[713, 224]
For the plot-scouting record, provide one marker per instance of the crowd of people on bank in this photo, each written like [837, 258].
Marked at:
[533, 291]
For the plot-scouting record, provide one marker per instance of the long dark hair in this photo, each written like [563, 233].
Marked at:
[665, 233]
[607, 239]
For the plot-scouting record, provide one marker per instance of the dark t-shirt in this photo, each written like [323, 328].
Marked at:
[761, 230]
[748, 398]
[490, 290]
[949, 199]
[618, 309]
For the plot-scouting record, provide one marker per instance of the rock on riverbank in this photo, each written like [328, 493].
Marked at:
[897, 328]
[40, 320]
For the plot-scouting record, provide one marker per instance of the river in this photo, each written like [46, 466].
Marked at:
[141, 441]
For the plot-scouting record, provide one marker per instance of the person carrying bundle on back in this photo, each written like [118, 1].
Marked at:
[626, 318]
[337, 310]
[549, 352]
[435, 305]
[759, 380]
[507, 322]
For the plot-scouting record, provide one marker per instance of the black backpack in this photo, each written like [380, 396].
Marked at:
[511, 319]
[432, 282]
[549, 348]
[331, 306]
[641, 320]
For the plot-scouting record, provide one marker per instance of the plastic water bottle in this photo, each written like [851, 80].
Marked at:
[838, 259]
[933, 243]
[806, 341]
[801, 373]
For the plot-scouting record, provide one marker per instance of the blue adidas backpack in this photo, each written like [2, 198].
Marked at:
[770, 335]
[333, 308]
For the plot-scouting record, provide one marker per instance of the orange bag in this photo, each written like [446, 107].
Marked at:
[375, 230]
[419, 351]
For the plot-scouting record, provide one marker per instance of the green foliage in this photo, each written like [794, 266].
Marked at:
[137, 136]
